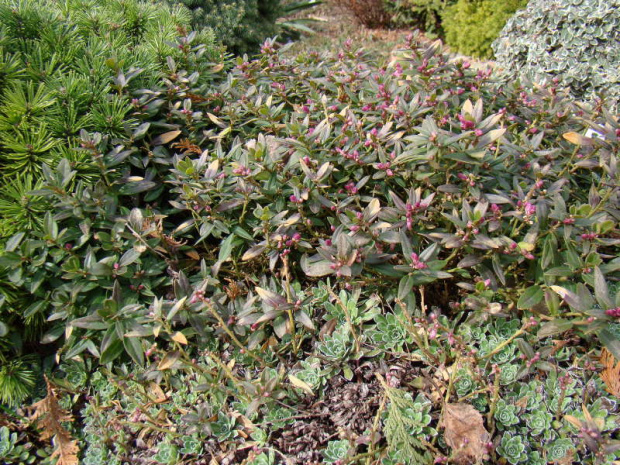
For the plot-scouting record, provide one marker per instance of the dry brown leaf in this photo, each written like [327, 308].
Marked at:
[611, 373]
[465, 433]
[187, 147]
[193, 255]
[48, 414]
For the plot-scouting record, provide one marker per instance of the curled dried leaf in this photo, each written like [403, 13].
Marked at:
[611, 373]
[465, 433]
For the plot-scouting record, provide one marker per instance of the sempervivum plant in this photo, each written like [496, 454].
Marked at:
[512, 449]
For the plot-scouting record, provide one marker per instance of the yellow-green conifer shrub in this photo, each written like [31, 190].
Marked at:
[471, 26]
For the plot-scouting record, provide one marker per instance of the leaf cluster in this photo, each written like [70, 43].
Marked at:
[566, 44]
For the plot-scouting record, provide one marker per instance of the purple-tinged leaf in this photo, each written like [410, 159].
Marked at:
[570, 298]
[271, 298]
[254, 251]
[556, 326]
[601, 290]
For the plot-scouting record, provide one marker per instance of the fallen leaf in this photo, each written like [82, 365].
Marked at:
[49, 417]
[465, 433]
[611, 373]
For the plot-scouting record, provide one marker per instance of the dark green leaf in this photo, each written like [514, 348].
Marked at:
[551, 328]
[530, 297]
[611, 342]
[135, 187]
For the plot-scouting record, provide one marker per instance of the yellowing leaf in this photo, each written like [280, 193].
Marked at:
[577, 139]
[179, 337]
[526, 246]
[156, 393]
[295, 381]
[169, 360]
[254, 251]
[193, 254]
[467, 108]
[215, 120]
[166, 137]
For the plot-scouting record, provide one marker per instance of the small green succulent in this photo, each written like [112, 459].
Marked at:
[506, 414]
[311, 372]
[354, 311]
[512, 448]
[264, 458]
[559, 449]
[464, 383]
[338, 349]
[224, 427]
[504, 356]
[538, 422]
[192, 445]
[418, 415]
[531, 394]
[534, 458]
[509, 373]
[336, 451]
[167, 453]
[337, 346]
[390, 332]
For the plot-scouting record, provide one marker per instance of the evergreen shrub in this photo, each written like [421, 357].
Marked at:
[425, 15]
[471, 26]
[573, 44]
[243, 25]
[230, 217]
[67, 67]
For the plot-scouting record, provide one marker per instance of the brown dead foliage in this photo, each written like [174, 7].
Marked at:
[611, 373]
[371, 13]
[49, 417]
[465, 433]
[348, 410]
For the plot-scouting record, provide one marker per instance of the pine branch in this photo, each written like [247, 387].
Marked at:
[49, 417]
[397, 427]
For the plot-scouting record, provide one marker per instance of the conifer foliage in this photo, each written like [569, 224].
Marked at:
[71, 66]
[243, 25]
